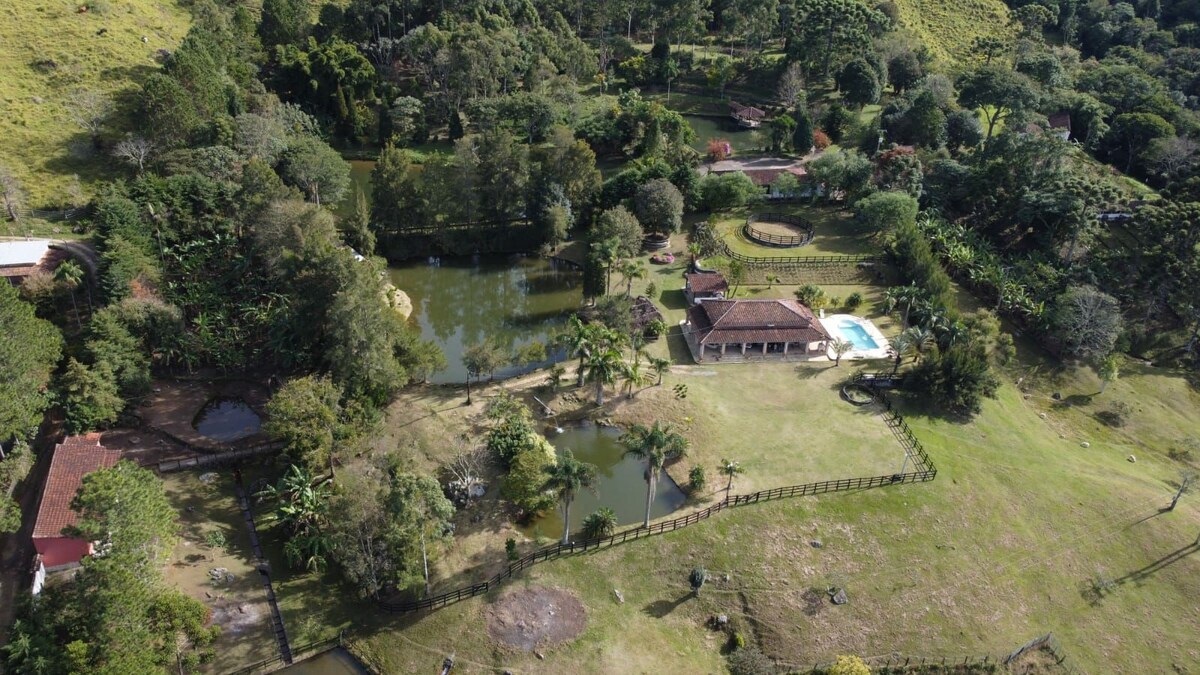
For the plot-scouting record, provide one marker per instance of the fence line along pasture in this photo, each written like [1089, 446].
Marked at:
[923, 471]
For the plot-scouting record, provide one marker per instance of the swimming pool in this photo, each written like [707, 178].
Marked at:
[868, 342]
[852, 332]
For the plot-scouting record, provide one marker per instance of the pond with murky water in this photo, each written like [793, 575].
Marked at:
[620, 482]
[227, 419]
[333, 662]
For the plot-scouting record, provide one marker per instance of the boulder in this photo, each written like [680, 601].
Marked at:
[1131, 458]
[839, 598]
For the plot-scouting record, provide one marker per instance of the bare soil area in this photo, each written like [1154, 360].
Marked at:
[536, 616]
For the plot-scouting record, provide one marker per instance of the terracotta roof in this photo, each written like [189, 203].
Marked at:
[706, 282]
[736, 321]
[1060, 120]
[73, 459]
[746, 111]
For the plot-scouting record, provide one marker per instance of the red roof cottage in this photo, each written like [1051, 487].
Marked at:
[73, 459]
[699, 286]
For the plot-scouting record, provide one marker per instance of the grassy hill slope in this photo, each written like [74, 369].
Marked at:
[948, 27]
[48, 49]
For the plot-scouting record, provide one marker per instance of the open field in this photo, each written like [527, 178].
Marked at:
[1000, 548]
[49, 49]
[949, 28]
[239, 605]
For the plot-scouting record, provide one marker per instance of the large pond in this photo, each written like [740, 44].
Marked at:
[511, 300]
[744, 141]
[227, 419]
[620, 482]
[334, 662]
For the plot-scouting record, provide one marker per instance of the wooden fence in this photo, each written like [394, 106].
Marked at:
[782, 241]
[306, 651]
[1051, 645]
[789, 262]
[923, 470]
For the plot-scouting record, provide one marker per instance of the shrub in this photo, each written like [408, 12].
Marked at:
[1117, 415]
[651, 290]
[215, 539]
[821, 140]
[854, 301]
[811, 296]
[749, 661]
[835, 301]
[510, 548]
[697, 479]
[726, 191]
[600, 523]
[957, 380]
[1186, 450]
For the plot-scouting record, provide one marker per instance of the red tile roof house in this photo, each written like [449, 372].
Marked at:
[699, 286]
[73, 459]
[754, 330]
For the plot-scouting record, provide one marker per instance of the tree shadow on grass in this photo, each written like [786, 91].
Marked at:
[661, 608]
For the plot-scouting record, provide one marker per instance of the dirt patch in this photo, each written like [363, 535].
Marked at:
[536, 616]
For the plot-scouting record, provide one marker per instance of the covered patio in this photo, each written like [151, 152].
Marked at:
[738, 331]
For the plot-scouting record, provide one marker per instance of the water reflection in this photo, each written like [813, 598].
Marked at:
[512, 300]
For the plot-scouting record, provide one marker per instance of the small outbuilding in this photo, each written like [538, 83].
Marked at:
[20, 259]
[73, 459]
[643, 314]
[699, 286]
[746, 330]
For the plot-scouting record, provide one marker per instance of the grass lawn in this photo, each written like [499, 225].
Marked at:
[837, 233]
[948, 29]
[239, 606]
[48, 49]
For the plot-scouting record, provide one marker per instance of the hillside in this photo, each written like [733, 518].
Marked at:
[949, 27]
[49, 49]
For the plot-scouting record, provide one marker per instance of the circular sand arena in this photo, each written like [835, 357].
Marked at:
[778, 230]
[526, 618]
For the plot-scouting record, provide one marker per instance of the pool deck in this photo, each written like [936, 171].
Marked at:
[883, 350]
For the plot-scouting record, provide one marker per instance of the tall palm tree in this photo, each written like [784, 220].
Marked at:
[633, 375]
[70, 274]
[731, 469]
[631, 270]
[655, 445]
[900, 347]
[567, 477]
[660, 367]
[902, 297]
[840, 347]
[602, 369]
[578, 339]
[609, 251]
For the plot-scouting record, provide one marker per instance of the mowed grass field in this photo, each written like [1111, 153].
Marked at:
[49, 49]
[1001, 548]
[949, 28]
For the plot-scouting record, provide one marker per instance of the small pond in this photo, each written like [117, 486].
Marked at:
[333, 662]
[511, 299]
[620, 482]
[227, 419]
[744, 141]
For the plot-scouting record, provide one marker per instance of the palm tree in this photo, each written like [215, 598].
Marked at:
[70, 274]
[577, 338]
[629, 271]
[731, 469]
[566, 478]
[599, 523]
[660, 367]
[902, 297]
[736, 274]
[772, 279]
[302, 505]
[602, 368]
[609, 251]
[900, 347]
[840, 347]
[917, 342]
[633, 376]
[655, 445]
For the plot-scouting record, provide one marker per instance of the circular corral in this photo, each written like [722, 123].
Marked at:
[536, 616]
[778, 230]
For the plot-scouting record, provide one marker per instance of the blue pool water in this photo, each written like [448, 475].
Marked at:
[852, 332]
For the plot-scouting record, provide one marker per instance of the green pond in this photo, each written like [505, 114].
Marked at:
[511, 299]
[742, 140]
[333, 662]
[620, 482]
